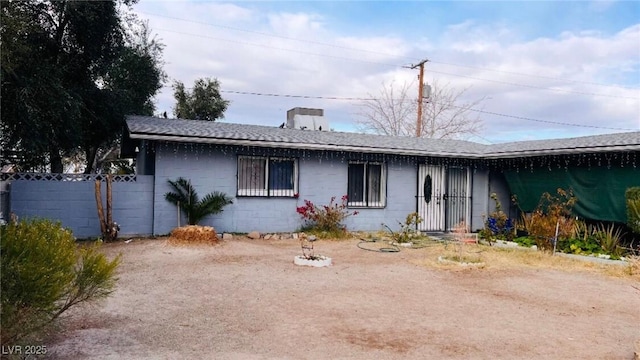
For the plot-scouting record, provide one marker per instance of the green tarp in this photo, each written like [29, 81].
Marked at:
[600, 192]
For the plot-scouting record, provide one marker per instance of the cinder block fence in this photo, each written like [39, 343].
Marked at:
[70, 199]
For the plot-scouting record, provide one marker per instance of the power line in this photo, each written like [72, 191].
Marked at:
[545, 121]
[392, 55]
[536, 87]
[278, 48]
[398, 66]
[537, 76]
[459, 107]
[298, 96]
[482, 137]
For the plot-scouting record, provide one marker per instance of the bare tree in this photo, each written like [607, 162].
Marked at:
[391, 112]
[444, 114]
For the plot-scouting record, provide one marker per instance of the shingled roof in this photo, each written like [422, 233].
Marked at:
[178, 130]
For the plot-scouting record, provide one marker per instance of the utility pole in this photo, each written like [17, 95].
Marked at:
[420, 95]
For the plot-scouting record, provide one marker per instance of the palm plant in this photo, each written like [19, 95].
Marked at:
[186, 198]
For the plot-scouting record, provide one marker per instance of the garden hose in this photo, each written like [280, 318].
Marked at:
[392, 249]
[395, 248]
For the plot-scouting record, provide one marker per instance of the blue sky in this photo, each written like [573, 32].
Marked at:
[541, 65]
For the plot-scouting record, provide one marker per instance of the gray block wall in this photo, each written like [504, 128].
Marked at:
[73, 204]
[320, 178]
[498, 184]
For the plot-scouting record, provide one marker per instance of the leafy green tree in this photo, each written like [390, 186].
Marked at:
[44, 274]
[186, 197]
[71, 71]
[204, 102]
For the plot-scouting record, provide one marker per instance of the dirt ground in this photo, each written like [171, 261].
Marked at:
[245, 299]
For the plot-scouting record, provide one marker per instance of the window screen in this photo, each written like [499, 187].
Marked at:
[366, 185]
[264, 176]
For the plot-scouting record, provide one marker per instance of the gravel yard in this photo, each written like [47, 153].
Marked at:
[245, 299]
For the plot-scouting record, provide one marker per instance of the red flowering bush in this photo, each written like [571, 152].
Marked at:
[326, 217]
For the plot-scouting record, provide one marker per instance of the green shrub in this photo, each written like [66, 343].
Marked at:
[582, 241]
[526, 241]
[408, 229]
[580, 246]
[633, 208]
[44, 274]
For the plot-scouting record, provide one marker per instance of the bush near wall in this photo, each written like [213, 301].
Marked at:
[633, 208]
[44, 273]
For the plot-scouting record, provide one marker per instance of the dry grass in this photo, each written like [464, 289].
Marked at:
[193, 235]
[634, 265]
[496, 258]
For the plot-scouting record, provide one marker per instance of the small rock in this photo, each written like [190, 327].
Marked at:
[254, 235]
[227, 236]
[268, 237]
[275, 237]
[294, 236]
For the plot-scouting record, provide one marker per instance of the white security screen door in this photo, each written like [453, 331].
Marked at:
[458, 197]
[431, 190]
[443, 197]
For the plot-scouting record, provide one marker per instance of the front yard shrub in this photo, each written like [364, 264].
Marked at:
[326, 218]
[633, 208]
[44, 274]
[553, 212]
[526, 241]
[498, 226]
[580, 247]
[194, 208]
[583, 240]
[609, 239]
[408, 229]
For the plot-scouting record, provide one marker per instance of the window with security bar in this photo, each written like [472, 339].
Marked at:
[366, 184]
[267, 176]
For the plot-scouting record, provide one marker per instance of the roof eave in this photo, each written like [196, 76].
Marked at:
[302, 146]
[571, 151]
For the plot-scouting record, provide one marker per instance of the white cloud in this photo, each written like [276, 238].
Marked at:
[326, 62]
[298, 24]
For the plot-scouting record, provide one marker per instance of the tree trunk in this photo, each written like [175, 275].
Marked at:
[90, 154]
[98, 193]
[55, 161]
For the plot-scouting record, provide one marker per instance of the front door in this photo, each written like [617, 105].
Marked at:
[443, 197]
[431, 190]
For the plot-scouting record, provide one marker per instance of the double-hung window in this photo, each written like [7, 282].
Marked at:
[267, 176]
[366, 184]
